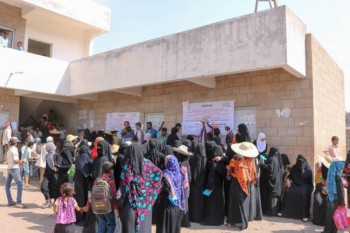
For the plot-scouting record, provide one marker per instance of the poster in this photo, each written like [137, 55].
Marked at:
[115, 120]
[219, 114]
[155, 118]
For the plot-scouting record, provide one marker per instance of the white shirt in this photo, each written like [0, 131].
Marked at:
[29, 151]
[41, 162]
[6, 135]
[12, 155]
[4, 42]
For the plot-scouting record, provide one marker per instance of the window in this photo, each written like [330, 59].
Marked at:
[10, 36]
[39, 48]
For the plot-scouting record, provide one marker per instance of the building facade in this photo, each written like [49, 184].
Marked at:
[264, 61]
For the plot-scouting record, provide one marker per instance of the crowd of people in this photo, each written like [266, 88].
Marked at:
[171, 180]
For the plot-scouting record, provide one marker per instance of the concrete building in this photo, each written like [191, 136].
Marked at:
[347, 131]
[264, 61]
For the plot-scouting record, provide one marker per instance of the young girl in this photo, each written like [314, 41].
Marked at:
[65, 208]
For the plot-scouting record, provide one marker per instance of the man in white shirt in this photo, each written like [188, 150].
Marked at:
[6, 135]
[4, 41]
[139, 133]
[13, 172]
[41, 161]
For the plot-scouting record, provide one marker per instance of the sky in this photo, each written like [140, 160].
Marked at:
[134, 21]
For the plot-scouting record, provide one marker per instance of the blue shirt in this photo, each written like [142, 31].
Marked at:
[153, 132]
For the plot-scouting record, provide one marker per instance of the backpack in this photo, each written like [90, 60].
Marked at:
[101, 197]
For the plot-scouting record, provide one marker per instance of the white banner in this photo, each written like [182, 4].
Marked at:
[219, 114]
[115, 120]
[155, 118]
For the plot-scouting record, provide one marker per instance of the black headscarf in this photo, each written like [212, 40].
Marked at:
[243, 134]
[103, 154]
[154, 155]
[285, 160]
[177, 143]
[93, 136]
[83, 162]
[87, 135]
[274, 172]
[198, 165]
[134, 156]
[209, 145]
[172, 137]
[324, 171]
[301, 173]
[168, 150]
[188, 143]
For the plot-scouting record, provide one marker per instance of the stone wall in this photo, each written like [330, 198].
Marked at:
[328, 96]
[10, 17]
[267, 90]
[10, 103]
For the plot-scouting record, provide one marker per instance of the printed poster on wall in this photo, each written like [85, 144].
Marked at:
[155, 118]
[219, 114]
[115, 120]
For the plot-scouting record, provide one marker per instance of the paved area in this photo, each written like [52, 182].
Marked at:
[34, 219]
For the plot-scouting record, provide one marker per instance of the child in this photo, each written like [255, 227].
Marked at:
[65, 208]
[26, 155]
[107, 222]
[286, 184]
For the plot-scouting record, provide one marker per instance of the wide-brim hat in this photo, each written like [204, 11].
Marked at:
[114, 149]
[182, 150]
[71, 137]
[54, 131]
[326, 160]
[246, 149]
[205, 120]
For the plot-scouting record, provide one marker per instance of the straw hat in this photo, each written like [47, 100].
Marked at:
[205, 120]
[71, 137]
[182, 150]
[114, 149]
[245, 149]
[326, 160]
[54, 131]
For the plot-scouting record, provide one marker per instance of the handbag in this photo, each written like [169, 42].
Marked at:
[340, 218]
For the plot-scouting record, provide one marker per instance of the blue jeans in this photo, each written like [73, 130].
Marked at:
[16, 175]
[106, 223]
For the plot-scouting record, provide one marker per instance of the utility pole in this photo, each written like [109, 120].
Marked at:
[272, 3]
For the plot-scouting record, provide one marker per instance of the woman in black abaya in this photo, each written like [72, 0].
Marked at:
[243, 134]
[103, 154]
[272, 179]
[214, 209]
[198, 164]
[82, 178]
[296, 201]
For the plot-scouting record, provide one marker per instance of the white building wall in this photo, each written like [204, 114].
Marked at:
[68, 43]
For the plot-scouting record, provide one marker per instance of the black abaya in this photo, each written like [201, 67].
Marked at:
[198, 164]
[319, 206]
[296, 200]
[238, 211]
[214, 209]
[168, 215]
[128, 218]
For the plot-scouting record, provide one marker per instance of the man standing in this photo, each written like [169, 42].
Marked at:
[151, 130]
[207, 128]
[13, 172]
[4, 41]
[6, 135]
[163, 135]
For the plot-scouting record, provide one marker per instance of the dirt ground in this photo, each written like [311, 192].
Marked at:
[35, 219]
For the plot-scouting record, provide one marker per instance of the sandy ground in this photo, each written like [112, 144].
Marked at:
[35, 219]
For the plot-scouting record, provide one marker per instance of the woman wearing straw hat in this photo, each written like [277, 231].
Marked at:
[182, 154]
[243, 172]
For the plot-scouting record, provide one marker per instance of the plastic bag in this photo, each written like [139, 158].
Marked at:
[340, 218]
[71, 171]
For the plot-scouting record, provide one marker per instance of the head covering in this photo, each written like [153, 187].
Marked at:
[154, 154]
[51, 149]
[198, 164]
[336, 168]
[177, 143]
[173, 175]
[285, 160]
[38, 140]
[114, 149]
[147, 137]
[103, 149]
[94, 150]
[49, 139]
[84, 162]
[182, 150]
[247, 149]
[168, 150]
[275, 171]
[243, 134]
[142, 182]
[261, 145]
[301, 172]
[71, 137]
